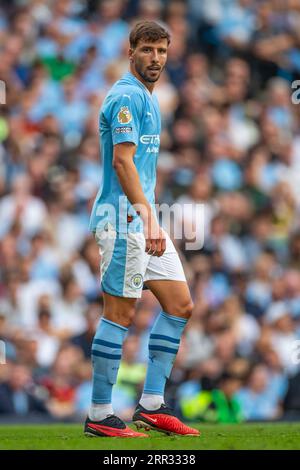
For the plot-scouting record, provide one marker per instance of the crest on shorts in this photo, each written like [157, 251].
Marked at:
[124, 115]
[137, 281]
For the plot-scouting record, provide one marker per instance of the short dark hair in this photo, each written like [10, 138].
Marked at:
[147, 31]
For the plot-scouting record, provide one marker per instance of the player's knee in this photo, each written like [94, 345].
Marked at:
[187, 309]
[121, 316]
[183, 309]
[128, 317]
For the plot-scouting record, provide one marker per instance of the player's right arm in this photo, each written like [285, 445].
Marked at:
[129, 179]
[126, 114]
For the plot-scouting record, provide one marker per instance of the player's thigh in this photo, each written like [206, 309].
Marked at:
[166, 279]
[123, 263]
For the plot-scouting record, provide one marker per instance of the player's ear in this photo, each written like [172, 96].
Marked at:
[130, 54]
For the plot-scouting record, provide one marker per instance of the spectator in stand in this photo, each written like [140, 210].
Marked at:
[17, 394]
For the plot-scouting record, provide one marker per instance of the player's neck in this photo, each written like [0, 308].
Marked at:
[149, 86]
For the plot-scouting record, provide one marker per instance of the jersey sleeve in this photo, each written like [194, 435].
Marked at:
[125, 120]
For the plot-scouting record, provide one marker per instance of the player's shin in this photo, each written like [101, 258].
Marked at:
[163, 346]
[106, 356]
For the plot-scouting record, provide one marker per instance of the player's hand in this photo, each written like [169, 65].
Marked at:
[155, 238]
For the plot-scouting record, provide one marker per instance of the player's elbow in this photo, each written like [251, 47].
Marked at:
[118, 163]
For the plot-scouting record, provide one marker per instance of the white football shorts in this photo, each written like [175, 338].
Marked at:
[125, 265]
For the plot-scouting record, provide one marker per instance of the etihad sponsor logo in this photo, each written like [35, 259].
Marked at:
[150, 139]
[152, 150]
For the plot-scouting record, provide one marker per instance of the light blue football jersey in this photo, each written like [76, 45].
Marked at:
[129, 113]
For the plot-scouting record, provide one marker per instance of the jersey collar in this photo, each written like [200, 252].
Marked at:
[136, 80]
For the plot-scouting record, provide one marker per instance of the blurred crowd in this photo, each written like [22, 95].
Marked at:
[230, 140]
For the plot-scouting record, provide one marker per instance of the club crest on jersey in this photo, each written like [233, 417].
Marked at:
[137, 281]
[124, 115]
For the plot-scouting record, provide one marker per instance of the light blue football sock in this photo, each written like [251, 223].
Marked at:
[106, 355]
[163, 346]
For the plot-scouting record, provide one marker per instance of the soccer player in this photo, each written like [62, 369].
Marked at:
[134, 249]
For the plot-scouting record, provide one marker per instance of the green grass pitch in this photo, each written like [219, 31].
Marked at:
[231, 437]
